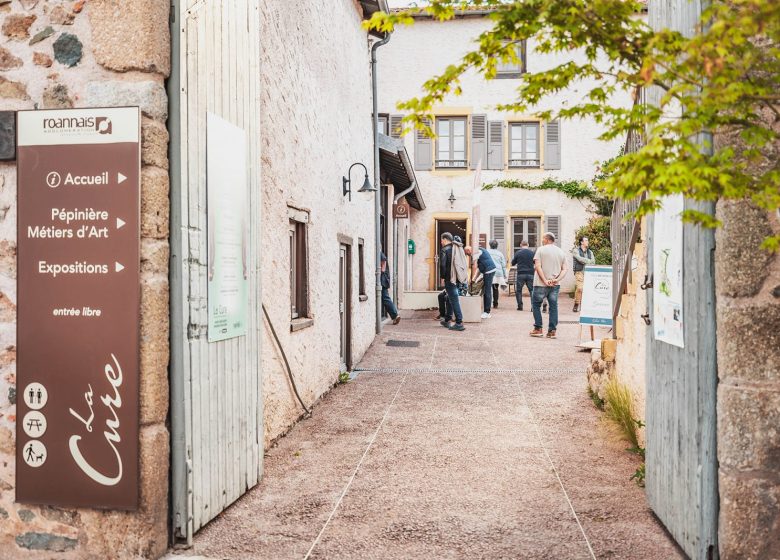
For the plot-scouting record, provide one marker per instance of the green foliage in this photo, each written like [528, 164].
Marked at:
[572, 189]
[598, 402]
[597, 231]
[639, 475]
[344, 377]
[725, 78]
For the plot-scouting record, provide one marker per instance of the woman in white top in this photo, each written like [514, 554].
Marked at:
[499, 279]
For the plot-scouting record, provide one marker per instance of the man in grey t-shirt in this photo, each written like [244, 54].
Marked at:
[549, 268]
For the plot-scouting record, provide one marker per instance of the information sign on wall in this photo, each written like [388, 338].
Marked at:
[228, 251]
[78, 305]
[596, 308]
[668, 272]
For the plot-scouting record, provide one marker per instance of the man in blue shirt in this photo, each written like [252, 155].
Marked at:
[524, 260]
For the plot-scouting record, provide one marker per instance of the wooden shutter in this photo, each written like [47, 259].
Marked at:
[554, 227]
[396, 126]
[552, 145]
[495, 158]
[478, 140]
[423, 150]
[498, 232]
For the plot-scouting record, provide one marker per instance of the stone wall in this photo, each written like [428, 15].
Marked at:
[316, 122]
[631, 330]
[61, 54]
[748, 314]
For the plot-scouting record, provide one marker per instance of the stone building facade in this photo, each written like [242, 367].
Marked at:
[78, 54]
[418, 52]
[315, 113]
[316, 122]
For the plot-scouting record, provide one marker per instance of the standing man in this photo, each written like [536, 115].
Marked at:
[387, 301]
[450, 284]
[487, 267]
[523, 259]
[550, 268]
[499, 279]
[582, 256]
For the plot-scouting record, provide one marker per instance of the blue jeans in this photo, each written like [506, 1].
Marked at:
[487, 292]
[387, 303]
[521, 280]
[537, 297]
[454, 303]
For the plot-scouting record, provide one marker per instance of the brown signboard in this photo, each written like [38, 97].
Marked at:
[78, 307]
[401, 209]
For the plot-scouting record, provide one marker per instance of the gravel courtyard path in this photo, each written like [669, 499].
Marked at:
[480, 444]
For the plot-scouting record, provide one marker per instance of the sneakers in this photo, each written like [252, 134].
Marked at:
[397, 319]
[486, 315]
[520, 308]
[445, 323]
[576, 307]
[550, 334]
[457, 327]
[537, 333]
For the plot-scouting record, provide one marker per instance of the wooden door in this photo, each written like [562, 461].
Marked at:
[681, 459]
[216, 400]
[345, 311]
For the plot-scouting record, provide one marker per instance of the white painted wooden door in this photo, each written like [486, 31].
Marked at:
[216, 401]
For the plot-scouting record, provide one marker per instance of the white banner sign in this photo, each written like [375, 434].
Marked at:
[668, 273]
[596, 308]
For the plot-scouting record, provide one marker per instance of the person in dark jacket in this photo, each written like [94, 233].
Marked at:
[445, 273]
[387, 301]
[524, 260]
[487, 267]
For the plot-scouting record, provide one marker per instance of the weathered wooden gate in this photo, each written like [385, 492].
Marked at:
[216, 404]
[681, 479]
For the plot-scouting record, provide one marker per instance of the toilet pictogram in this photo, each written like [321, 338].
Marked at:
[35, 396]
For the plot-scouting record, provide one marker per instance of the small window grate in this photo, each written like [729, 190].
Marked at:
[404, 343]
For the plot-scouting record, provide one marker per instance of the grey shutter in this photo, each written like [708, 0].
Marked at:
[554, 227]
[396, 126]
[423, 150]
[552, 145]
[478, 140]
[498, 232]
[495, 145]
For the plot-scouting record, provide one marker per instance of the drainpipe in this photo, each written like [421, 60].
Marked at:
[377, 207]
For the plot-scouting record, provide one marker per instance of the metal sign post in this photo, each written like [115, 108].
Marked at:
[78, 307]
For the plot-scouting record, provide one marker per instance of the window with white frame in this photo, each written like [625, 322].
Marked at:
[451, 142]
[513, 69]
[524, 144]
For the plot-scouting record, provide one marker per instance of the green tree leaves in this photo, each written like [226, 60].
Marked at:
[722, 81]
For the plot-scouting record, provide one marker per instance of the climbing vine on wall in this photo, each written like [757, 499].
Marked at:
[573, 189]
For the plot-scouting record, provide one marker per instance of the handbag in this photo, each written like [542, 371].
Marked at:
[477, 285]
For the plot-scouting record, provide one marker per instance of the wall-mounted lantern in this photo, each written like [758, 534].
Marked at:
[452, 198]
[347, 187]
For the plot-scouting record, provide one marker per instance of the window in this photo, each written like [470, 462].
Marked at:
[383, 124]
[298, 270]
[451, 142]
[524, 145]
[513, 69]
[525, 229]
[361, 271]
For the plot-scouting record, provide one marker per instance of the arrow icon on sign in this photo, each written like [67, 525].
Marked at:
[118, 267]
[119, 223]
[120, 178]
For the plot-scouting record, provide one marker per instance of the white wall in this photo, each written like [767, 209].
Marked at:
[316, 119]
[417, 53]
